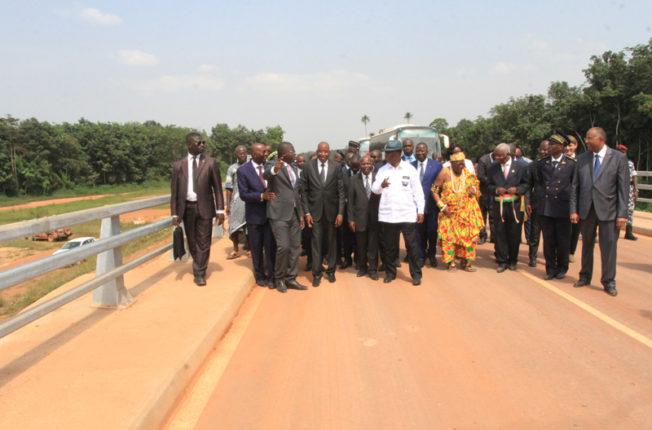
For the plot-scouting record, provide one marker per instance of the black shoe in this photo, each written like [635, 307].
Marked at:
[581, 283]
[533, 262]
[361, 273]
[560, 275]
[316, 281]
[381, 268]
[331, 277]
[388, 279]
[611, 290]
[280, 286]
[295, 285]
[416, 281]
[270, 284]
[629, 233]
[433, 261]
[512, 266]
[631, 237]
[261, 283]
[346, 264]
[501, 268]
[200, 281]
[373, 276]
[549, 276]
[398, 263]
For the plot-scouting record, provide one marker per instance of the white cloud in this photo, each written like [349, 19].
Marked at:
[537, 45]
[95, 16]
[207, 67]
[502, 68]
[310, 82]
[134, 57]
[177, 83]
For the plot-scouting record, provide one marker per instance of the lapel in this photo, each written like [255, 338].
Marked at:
[331, 170]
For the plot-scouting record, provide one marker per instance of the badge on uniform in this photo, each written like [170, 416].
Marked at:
[405, 180]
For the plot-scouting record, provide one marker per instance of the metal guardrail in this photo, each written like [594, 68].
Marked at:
[108, 285]
[647, 187]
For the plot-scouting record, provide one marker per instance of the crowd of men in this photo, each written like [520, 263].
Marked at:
[344, 209]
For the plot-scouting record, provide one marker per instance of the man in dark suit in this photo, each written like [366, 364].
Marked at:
[286, 216]
[253, 190]
[323, 200]
[554, 177]
[508, 183]
[362, 210]
[428, 169]
[349, 169]
[533, 206]
[485, 199]
[196, 199]
[600, 196]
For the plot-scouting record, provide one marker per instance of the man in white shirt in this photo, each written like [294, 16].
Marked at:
[400, 209]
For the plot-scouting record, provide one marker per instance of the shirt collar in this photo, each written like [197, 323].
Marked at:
[602, 152]
[190, 156]
[557, 159]
[253, 163]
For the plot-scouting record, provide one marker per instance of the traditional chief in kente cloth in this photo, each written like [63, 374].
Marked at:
[235, 206]
[456, 191]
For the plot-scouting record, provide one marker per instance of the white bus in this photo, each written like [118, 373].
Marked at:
[429, 135]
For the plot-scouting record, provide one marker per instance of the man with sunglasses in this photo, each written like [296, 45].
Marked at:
[196, 199]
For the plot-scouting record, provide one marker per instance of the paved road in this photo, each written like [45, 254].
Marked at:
[463, 350]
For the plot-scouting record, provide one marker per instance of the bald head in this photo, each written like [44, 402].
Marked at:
[323, 151]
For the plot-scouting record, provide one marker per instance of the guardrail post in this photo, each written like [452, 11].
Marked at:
[113, 294]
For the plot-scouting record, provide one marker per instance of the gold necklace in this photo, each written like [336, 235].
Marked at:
[460, 182]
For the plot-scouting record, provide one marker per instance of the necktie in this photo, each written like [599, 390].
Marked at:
[194, 172]
[505, 170]
[367, 188]
[290, 174]
[596, 167]
[554, 164]
[421, 172]
[323, 172]
[260, 175]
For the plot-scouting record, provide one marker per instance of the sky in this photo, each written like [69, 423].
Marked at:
[312, 67]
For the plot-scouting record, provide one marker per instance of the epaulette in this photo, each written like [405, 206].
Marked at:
[570, 158]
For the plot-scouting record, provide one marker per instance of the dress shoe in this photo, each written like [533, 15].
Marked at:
[549, 276]
[200, 281]
[388, 279]
[261, 283]
[316, 281]
[398, 263]
[346, 264]
[373, 276]
[361, 273]
[581, 283]
[501, 268]
[280, 286]
[433, 261]
[533, 262]
[292, 283]
[416, 281]
[560, 275]
[331, 277]
[270, 284]
[512, 266]
[611, 290]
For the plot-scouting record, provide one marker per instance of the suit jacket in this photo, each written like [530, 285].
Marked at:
[288, 200]
[483, 168]
[554, 186]
[609, 193]
[360, 209]
[251, 187]
[208, 186]
[517, 177]
[433, 167]
[323, 200]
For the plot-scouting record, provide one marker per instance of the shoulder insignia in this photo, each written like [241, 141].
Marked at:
[563, 162]
[547, 161]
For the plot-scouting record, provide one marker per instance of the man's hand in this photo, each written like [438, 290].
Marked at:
[309, 220]
[528, 209]
[278, 165]
[385, 183]
[220, 219]
[512, 190]
[352, 226]
[620, 222]
[268, 195]
[419, 218]
[176, 221]
[446, 211]
[500, 191]
[303, 223]
[574, 218]
[338, 220]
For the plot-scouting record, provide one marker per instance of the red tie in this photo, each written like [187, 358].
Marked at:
[260, 175]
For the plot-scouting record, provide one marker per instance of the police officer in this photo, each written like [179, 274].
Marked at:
[554, 177]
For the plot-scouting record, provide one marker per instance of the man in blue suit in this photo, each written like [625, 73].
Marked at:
[428, 169]
[253, 190]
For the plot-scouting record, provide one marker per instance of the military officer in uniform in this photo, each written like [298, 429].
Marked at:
[554, 185]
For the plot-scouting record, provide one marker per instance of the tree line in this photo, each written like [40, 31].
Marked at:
[37, 157]
[616, 96]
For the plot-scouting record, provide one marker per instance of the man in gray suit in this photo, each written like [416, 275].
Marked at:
[599, 198]
[286, 216]
[323, 200]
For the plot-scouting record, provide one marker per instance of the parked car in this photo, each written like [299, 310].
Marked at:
[75, 243]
